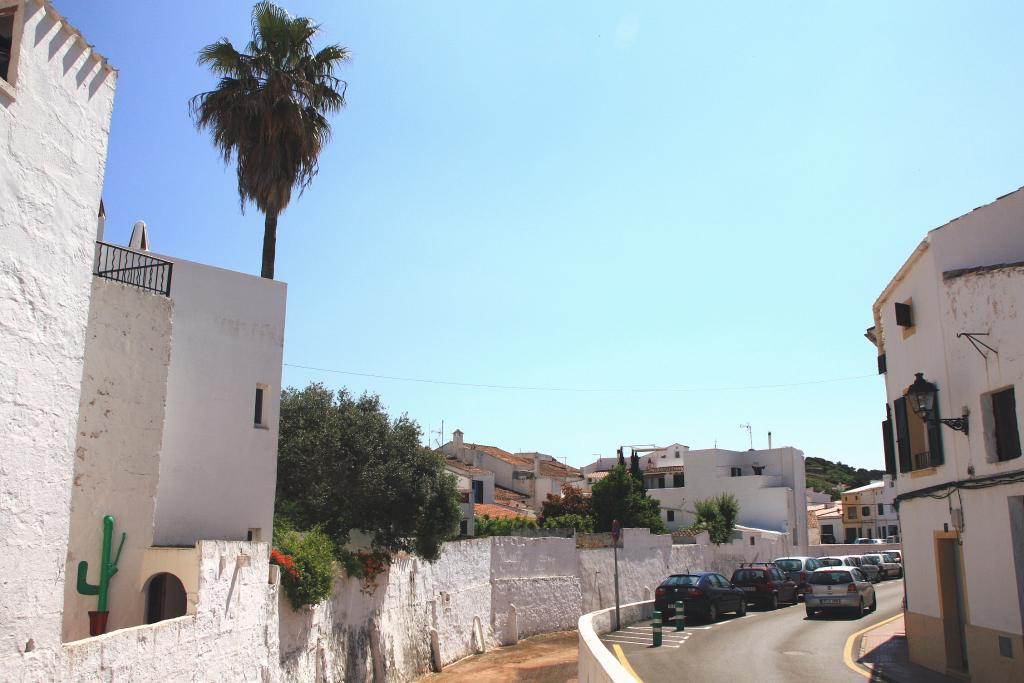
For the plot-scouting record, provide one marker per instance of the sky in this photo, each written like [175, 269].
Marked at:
[636, 223]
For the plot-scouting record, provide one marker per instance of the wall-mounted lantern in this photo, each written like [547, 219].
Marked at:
[921, 395]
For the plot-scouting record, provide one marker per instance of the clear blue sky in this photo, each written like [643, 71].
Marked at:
[592, 195]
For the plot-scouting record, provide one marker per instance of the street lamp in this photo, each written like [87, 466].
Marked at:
[921, 395]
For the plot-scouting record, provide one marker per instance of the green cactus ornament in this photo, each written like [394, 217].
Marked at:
[107, 568]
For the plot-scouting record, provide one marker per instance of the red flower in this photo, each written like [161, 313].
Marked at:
[285, 562]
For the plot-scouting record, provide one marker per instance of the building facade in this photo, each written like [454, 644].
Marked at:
[769, 485]
[953, 313]
[871, 511]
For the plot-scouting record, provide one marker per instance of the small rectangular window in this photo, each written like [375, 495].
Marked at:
[881, 508]
[7, 45]
[670, 515]
[865, 510]
[677, 454]
[259, 418]
[255, 535]
[678, 480]
[904, 314]
[661, 482]
[851, 513]
[736, 472]
[1004, 414]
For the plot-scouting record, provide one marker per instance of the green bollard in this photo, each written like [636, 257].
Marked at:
[657, 629]
[680, 616]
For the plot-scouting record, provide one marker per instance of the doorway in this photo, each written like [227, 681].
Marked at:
[952, 601]
[165, 598]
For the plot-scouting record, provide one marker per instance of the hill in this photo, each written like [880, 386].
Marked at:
[823, 475]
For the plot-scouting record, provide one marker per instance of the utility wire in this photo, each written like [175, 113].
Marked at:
[508, 387]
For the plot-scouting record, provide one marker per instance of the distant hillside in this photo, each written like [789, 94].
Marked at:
[823, 475]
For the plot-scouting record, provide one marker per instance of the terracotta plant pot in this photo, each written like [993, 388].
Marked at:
[98, 623]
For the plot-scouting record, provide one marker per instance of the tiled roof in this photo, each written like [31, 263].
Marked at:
[506, 496]
[456, 464]
[498, 453]
[553, 468]
[667, 469]
[500, 512]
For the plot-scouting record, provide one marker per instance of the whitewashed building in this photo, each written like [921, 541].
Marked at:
[954, 312]
[769, 485]
[56, 99]
[178, 425]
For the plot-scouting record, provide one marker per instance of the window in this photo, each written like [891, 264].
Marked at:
[1004, 420]
[254, 535]
[826, 530]
[478, 491]
[9, 39]
[258, 417]
[751, 540]
[881, 509]
[670, 515]
[758, 469]
[905, 313]
[851, 513]
[661, 482]
[735, 472]
[865, 511]
[918, 445]
[463, 528]
[678, 480]
[677, 454]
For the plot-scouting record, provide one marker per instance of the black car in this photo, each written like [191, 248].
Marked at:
[765, 584]
[705, 594]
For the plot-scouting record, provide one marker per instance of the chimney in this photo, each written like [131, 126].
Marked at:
[457, 438]
[140, 237]
[536, 465]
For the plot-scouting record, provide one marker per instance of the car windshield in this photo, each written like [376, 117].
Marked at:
[873, 559]
[830, 578]
[789, 565]
[831, 562]
[748, 575]
[889, 557]
[686, 580]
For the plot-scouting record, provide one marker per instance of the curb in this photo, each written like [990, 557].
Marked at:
[854, 640]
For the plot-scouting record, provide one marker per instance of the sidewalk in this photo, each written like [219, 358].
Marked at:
[550, 658]
[884, 651]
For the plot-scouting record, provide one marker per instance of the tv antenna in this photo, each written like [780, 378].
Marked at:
[440, 435]
[750, 433]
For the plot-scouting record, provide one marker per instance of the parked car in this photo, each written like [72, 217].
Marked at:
[706, 594]
[845, 561]
[765, 584]
[873, 573]
[892, 539]
[797, 569]
[887, 569]
[868, 541]
[893, 556]
[839, 587]
[898, 554]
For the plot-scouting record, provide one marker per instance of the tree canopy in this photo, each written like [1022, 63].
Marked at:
[570, 502]
[269, 110]
[717, 516]
[621, 496]
[344, 465]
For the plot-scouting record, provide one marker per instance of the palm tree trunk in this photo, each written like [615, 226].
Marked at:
[269, 244]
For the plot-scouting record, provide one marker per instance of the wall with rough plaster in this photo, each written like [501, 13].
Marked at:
[117, 453]
[232, 636]
[54, 124]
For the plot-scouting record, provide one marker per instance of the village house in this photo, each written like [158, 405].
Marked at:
[768, 484]
[871, 511]
[949, 334]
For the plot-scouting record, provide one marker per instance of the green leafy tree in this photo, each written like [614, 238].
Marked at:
[717, 516]
[581, 523]
[308, 572]
[485, 525]
[269, 110]
[621, 496]
[570, 502]
[343, 465]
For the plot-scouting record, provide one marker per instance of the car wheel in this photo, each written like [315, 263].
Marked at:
[712, 613]
[774, 604]
[874, 603]
[860, 608]
[810, 612]
[742, 610]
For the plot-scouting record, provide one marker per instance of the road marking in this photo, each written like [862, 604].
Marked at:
[848, 648]
[625, 663]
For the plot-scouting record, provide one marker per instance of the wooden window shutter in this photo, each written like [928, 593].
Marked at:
[934, 428]
[904, 315]
[881, 364]
[887, 443]
[902, 434]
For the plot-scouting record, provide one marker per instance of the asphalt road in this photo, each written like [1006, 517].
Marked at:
[763, 646]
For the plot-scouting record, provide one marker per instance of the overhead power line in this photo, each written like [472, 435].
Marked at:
[510, 387]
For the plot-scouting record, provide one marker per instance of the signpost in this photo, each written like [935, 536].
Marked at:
[616, 534]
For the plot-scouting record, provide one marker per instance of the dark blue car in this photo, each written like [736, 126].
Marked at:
[704, 594]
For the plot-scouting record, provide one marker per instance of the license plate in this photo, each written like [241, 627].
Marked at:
[749, 588]
[829, 602]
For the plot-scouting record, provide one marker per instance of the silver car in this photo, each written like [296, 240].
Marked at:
[887, 568]
[839, 588]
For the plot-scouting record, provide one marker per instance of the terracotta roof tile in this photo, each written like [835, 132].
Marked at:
[498, 453]
[500, 512]
[553, 468]
[505, 495]
[456, 464]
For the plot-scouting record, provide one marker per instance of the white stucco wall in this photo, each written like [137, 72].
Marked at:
[218, 471]
[120, 428]
[53, 146]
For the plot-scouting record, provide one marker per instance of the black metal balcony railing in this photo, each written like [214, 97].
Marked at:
[133, 268]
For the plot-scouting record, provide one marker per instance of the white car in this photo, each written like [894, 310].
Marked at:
[887, 568]
[839, 588]
[868, 541]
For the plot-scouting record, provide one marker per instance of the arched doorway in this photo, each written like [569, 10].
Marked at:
[165, 598]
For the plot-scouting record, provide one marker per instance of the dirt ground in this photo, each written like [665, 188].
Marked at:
[550, 658]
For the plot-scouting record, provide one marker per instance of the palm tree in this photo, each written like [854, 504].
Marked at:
[269, 110]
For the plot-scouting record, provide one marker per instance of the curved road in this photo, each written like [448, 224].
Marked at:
[763, 646]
